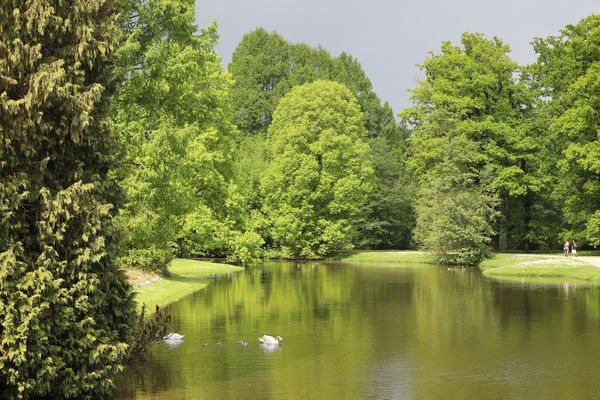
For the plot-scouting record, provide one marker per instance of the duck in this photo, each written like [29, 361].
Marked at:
[218, 344]
[243, 343]
[204, 344]
[270, 340]
[173, 336]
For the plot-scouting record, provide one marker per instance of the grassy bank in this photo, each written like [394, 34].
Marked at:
[502, 265]
[538, 266]
[386, 256]
[186, 277]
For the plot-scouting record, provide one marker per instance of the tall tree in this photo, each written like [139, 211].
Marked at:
[389, 214]
[567, 75]
[321, 173]
[470, 95]
[265, 67]
[260, 66]
[174, 116]
[61, 295]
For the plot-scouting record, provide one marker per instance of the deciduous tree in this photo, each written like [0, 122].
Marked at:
[470, 96]
[321, 172]
[567, 74]
[174, 119]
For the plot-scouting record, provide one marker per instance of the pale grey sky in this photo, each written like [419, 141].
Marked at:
[390, 37]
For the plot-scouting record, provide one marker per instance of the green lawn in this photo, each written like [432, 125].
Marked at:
[506, 266]
[186, 277]
[403, 256]
[539, 266]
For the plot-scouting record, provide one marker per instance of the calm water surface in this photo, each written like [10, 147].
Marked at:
[356, 331]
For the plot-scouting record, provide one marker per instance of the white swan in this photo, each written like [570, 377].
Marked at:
[173, 336]
[270, 340]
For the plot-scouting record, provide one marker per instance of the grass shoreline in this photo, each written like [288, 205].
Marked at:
[185, 277]
[519, 266]
[508, 266]
[385, 256]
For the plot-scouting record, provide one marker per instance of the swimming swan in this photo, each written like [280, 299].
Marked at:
[173, 336]
[270, 340]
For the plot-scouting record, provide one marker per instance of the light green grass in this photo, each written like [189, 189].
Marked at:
[555, 252]
[407, 257]
[539, 266]
[186, 277]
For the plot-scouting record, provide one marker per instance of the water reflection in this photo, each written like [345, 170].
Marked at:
[173, 343]
[356, 332]
[269, 348]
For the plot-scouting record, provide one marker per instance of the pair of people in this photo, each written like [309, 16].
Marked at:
[573, 248]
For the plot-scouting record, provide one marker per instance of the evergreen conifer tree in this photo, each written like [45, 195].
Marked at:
[65, 308]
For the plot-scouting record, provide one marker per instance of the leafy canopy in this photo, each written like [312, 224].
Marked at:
[174, 117]
[567, 75]
[321, 172]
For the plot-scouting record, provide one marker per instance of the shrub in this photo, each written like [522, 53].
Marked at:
[150, 260]
[65, 308]
[149, 330]
[246, 248]
[455, 224]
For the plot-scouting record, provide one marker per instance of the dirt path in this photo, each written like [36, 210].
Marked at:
[592, 260]
[595, 261]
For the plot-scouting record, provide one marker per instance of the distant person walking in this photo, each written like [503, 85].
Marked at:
[574, 248]
[566, 248]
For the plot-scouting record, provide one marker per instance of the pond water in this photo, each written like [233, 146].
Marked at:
[356, 331]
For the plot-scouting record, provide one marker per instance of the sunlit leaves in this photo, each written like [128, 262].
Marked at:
[61, 296]
[321, 173]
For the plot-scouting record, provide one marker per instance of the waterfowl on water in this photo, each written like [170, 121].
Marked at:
[270, 340]
[218, 344]
[243, 342]
[204, 344]
[173, 336]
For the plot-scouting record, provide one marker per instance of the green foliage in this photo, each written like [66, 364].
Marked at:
[265, 67]
[149, 330]
[321, 173]
[246, 248]
[150, 259]
[389, 214]
[568, 74]
[249, 166]
[455, 223]
[174, 117]
[470, 148]
[61, 295]
[259, 65]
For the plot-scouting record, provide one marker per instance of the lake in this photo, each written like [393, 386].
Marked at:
[376, 331]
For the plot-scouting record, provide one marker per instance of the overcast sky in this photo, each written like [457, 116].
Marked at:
[388, 37]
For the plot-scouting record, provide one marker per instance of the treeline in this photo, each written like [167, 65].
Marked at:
[214, 168]
[508, 155]
[238, 163]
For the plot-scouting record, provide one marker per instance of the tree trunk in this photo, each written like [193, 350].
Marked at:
[496, 242]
